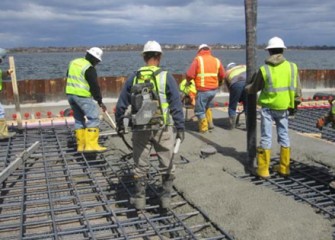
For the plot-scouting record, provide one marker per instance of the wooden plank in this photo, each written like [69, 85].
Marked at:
[18, 161]
[15, 92]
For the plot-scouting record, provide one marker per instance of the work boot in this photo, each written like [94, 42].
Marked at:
[232, 122]
[167, 185]
[91, 141]
[4, 134]
[263, 163]
[203, 125]
[283, 168]
[138, 199]
[209, 117]
[80, 137]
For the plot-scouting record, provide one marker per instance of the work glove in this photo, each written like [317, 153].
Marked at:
[10, 71]
[320, 123]
[180, 134]
[292, 112]
[120, 128]
[103, 107]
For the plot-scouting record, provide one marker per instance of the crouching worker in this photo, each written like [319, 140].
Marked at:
[81, 88]
[156, 111]
[328, 118]
[189, 92]
[279, 83]
[4, 134]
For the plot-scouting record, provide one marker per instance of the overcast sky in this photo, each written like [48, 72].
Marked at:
[43, 23]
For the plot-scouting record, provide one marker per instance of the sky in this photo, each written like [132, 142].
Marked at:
[65, 23]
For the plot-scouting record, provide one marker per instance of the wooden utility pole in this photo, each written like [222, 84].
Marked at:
[15, 92]
[251, 23]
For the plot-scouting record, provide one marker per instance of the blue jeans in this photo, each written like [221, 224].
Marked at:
[202, 101]
[236, 95]
[281, 119]
[2, 111]
[82, 107]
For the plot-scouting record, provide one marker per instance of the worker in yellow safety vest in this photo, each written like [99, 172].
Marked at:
[160, 136]
[81, 88]
[4, 134]
[279, 83]
[189, 91]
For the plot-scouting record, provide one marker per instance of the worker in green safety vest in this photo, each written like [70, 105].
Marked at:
[81, 89]
[4, 134]
[279, 83]
[146, 139]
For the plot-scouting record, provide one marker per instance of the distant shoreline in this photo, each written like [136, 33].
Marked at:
[166, 47]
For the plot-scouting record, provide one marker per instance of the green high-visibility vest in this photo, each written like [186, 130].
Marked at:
[159, 88]
[280, 85]
[76, 83]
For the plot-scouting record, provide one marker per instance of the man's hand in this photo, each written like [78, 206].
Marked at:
[120, 128]
[320, 123]
[180, 134]
[10, 71]
[103, 107]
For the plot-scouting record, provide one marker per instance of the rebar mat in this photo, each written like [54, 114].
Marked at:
[58, 193]
[305, 122]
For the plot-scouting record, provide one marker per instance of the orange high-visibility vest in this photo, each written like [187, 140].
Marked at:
[207, 77]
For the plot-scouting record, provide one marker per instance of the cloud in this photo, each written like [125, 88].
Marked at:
[101, 22]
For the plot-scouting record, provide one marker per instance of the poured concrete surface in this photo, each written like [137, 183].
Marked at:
[241, 208]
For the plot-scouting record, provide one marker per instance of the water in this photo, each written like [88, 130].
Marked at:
[54, 65]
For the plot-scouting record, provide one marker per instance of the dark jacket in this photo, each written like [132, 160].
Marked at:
[172, 92]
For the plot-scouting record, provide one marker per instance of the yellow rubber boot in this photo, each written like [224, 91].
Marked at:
[203, 125]
[209, 116]
[4, 134]
[91, 141]
[263, 162]
[80, 137]
[284, 163]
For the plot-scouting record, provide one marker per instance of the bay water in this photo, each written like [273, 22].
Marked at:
[121, 63]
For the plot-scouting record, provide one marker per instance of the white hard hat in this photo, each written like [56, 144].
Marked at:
[203, 46]
[3, 53]
[152, 46]
[230, 65]
[275, 42]
[96, 52]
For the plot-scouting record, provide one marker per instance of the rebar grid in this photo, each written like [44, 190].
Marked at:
[306, 183]
[58, 193]
[305, 122]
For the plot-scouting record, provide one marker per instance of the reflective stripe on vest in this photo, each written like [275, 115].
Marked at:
[0, 79]
[76, 83]
[234, 73]
[203, 75]
[161, 85]
[279, 89]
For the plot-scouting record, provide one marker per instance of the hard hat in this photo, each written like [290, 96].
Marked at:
[152, 46]
[3, 53]
[275, 42]
[231, 65]
[203, 46]
[96, 52]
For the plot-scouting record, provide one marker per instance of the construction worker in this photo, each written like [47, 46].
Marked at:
[81, 88]
[279, 83]
[235, 80]
[189, 91]
[208, 73]
[4, 134]
[162, 138]
[329, 117]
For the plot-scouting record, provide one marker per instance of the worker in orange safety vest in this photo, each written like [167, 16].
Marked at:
[208, 74]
